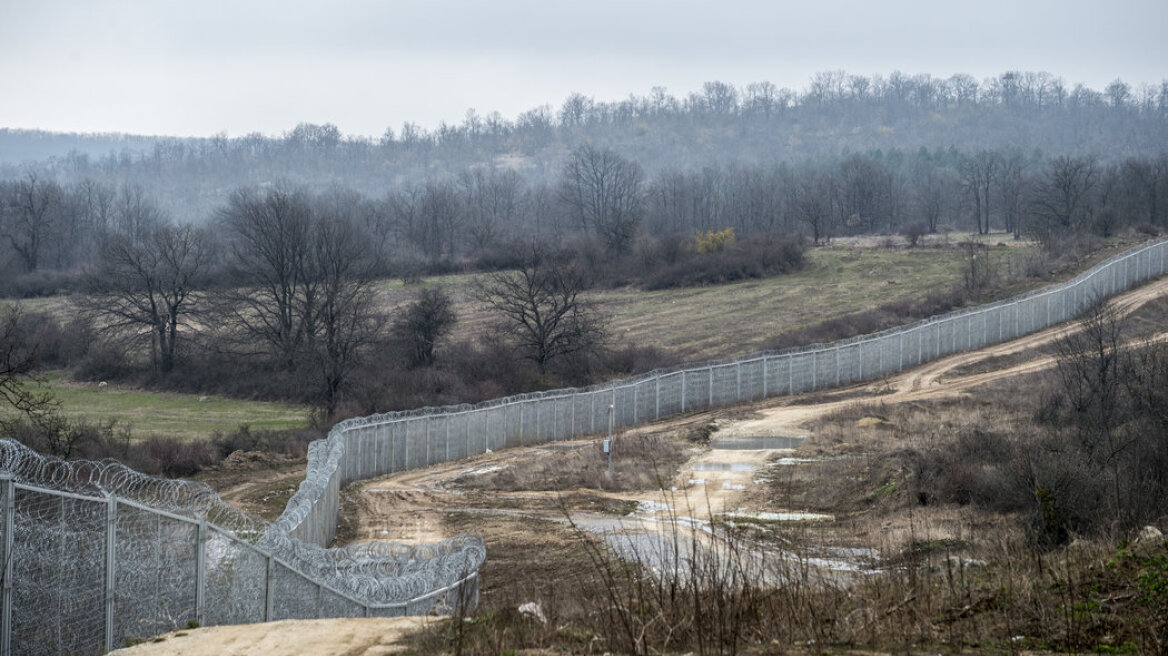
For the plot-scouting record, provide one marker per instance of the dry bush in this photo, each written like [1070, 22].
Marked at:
[725, 592]
[756, 257]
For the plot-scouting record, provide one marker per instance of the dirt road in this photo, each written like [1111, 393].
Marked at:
[347, 637]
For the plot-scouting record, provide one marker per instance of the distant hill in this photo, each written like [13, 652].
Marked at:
[891, 119]
[21, 147]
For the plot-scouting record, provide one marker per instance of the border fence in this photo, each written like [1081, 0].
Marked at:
[377, 445]
[92, 554]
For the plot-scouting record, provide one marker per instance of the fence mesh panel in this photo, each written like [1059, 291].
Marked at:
[154, 573]
[58, 565]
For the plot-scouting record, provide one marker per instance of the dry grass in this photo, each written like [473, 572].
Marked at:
[958, 584]
[640, 462]
[952, 578]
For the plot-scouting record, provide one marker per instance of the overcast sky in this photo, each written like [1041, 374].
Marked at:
[198, 67]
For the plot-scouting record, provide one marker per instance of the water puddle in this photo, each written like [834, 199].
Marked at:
[780, 516]
[479, 471]
[756, 443]
[664, 550]
[723, 467]
[786, 462]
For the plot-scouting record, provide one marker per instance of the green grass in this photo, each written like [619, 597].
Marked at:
[719, 321]
[725, 320]
[169, 414]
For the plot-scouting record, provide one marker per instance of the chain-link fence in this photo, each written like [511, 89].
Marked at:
[95, 554]
[381, 444]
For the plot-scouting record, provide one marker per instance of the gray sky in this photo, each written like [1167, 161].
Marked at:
[197, 67]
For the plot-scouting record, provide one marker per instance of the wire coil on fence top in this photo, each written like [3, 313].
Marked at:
[99, 553]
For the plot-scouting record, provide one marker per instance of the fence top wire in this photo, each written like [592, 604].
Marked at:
[376, 573]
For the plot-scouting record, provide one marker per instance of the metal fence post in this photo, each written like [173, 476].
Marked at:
[710, 390]
[635, 399]
[592, 411]
[683, 372]
[9, 487]
[738, 375]
[657, 397]
[111, 545]
[900, 364]
[611, 418]
[201, 572]
[764, 376]
[269, 588]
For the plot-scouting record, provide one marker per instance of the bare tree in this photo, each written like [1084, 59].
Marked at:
[29, 213]
[815, 201]
[603, 192]
[18, 364]
[542, 307]
[935, 190]
[1062, 195]
[423, 323]
[1011, 190]
[492, 200]
[135, 213]
[1091, 369]
[346, 319]
[307, 296]
[979, 174]
[270, 235]
[146, 286]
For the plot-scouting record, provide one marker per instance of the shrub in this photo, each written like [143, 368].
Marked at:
[713, 242]
[749, 259]
[913, 233]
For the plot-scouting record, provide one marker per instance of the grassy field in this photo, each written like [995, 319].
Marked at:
[713, 322]
[689, 324]
[169, 414]
[719, 321]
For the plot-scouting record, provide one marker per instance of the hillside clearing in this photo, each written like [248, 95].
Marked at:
[167, 414]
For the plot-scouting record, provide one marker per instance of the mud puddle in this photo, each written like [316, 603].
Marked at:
[723, 467]
[758, 443]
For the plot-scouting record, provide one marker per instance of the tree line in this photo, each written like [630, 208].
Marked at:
[759, 123]
[50, 231]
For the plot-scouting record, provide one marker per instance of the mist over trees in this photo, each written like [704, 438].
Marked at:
[261, 253]
[759, 124]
